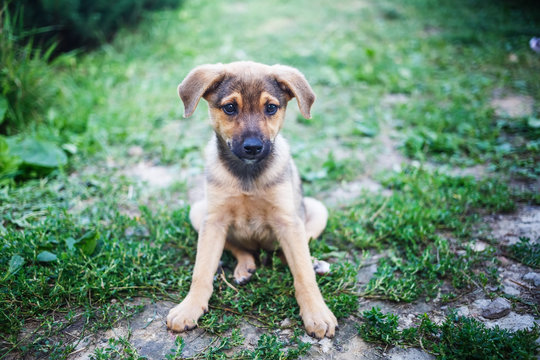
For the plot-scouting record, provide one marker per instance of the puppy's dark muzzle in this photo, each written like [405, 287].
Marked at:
[251, 149]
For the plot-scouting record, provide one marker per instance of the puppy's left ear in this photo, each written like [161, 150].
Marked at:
[197, 83]
[293, 82]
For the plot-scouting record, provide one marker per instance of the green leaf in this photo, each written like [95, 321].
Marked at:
[8, 163]
[70, 243]
[15, 264]
[88, 242]
[35, 152]
[46, 256]
[363, 130]
[533, 122]
[3, 108]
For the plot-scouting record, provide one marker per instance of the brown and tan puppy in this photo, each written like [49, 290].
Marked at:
[253, 192]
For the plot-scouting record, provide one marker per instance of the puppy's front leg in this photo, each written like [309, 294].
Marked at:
[209, 249]
[318, 320]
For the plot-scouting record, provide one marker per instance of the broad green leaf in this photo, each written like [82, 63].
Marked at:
[88, 242]
[15, 264]
[8, 163]
[46, 256]
[38, 153]
[3, 108]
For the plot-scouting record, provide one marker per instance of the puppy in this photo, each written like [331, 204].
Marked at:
[253, 192]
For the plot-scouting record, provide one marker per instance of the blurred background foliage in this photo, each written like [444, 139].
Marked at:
[33, 35]
[447, 66]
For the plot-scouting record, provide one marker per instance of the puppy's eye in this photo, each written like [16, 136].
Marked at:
[229, 109]
[271, 109]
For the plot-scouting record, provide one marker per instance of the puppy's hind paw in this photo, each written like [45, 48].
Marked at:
[243, 272]
[321, 267]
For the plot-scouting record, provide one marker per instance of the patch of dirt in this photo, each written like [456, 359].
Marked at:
[149, 335]
[516, 279]
[279, 24]
[348, 192]
[430, 30]
[394, 99]
[514, 106]
[389, 157]
[346, 345]
[478, 172]
[506, 229]
[154, 175]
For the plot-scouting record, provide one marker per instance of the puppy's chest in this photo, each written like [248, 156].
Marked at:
[250, 224]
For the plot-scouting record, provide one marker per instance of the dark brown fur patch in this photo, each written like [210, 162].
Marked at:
[246, 173]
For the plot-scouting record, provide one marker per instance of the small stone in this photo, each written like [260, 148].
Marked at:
[286, 332]
[463, 311]
[398, 353]
[366, 273]
[497, 309]
[286, 323]
[307, 339]
[511, 290]
[326, 345]
[513, 322]
[478, 246]
[532, 278]
[481, 303]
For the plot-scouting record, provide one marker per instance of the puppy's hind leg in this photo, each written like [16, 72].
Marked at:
[197, 214]
[245, 266]
[316, 217]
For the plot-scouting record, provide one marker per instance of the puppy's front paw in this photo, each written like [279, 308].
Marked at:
[319, 321]
[184, 316]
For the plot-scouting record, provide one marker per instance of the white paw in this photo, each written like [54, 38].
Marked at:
[321, 267]
[184, 316]
[319, 321]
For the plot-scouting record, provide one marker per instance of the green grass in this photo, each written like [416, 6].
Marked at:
[410, 224]
[456, 338]
[89, 233]
[526, 252]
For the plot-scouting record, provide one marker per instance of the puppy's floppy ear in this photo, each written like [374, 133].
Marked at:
[197, 83]
[293, 81]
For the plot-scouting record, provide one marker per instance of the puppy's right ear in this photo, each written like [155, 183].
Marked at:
[197, 83]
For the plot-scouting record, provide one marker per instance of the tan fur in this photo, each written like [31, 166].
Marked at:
[266, 212]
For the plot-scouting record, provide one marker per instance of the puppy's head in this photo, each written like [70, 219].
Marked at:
[247, 102]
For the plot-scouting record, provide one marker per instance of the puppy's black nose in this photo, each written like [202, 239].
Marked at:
[252, 146]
